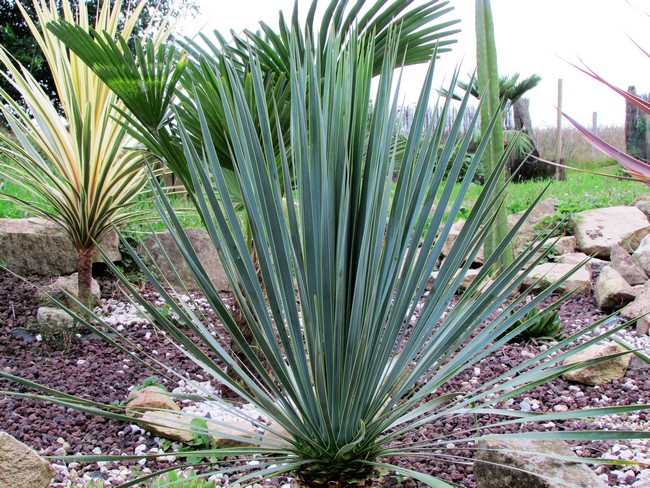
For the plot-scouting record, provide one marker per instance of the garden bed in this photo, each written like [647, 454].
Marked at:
[90, 368]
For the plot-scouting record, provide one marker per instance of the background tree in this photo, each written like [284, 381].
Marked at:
[17, 38]
[518, 129]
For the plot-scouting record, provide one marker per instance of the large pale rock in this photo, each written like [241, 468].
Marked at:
[150, 398]
[640, 306]
[69, 284]
[21, 466]
[54, 319]
[177, 426]
[626, 266]
[594, 265]
[597, 230]
[468, 278]
[643, 326]
[454, 232]
[37, 246]
[525, 234]
[528, 231]
[642, 255]
[612, 291]
[496, 459]
[547, 274]
[566, 245]
[204, 249]
[639, 309]
[274, 436]
[601, 373]
[642, 202]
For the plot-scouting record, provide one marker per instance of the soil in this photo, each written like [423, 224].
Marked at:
[90, 368]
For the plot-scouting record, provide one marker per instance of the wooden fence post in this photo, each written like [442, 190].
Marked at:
[560, 174]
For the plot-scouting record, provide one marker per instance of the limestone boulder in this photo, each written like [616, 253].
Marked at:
[454, 232]
[566, 245]
[547, 274]
[642, 255]
[642, 202]
[639, 309]
[37, 246]
[68, 284]
[574, 258]
[594, 265]
[468, 278]
[597, 230]
[626, 266]
[170, 425]
[207, 255]
[603, 372]
[640, 306]
[150, 398]
[21, 466]
[177, 426]
[55, 319]
[612, 291]
[643, 327]
[528, 231]
[525, 463]
[274, 436]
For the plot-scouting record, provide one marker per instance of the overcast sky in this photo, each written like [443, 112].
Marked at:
[532, 36]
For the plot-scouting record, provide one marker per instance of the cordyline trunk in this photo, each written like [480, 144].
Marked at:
[85, 276]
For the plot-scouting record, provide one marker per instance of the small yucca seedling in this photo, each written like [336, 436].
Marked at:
[188, 480]
[539, 327]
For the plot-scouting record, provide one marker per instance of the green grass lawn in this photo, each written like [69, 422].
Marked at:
[581, 191]
[9, 209]
[142, 225]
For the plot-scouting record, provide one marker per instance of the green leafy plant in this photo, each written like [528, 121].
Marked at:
[60, 333]
[538, 326]
[152, 380]
[353, 349]
[184, 480]
[556, 225]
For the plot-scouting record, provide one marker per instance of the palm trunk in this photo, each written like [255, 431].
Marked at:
[85, 276]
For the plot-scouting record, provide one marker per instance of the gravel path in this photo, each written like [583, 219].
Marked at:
[90, 368]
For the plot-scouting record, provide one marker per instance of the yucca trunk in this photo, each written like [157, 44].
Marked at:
[85, 276]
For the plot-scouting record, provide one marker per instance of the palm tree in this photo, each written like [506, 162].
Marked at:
[196, 77]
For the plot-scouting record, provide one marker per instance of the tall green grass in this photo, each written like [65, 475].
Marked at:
[148, 220]
[9, 209]
[581, 191]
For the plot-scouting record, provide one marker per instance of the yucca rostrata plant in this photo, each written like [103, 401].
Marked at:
[354, 350]
[81, 169]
